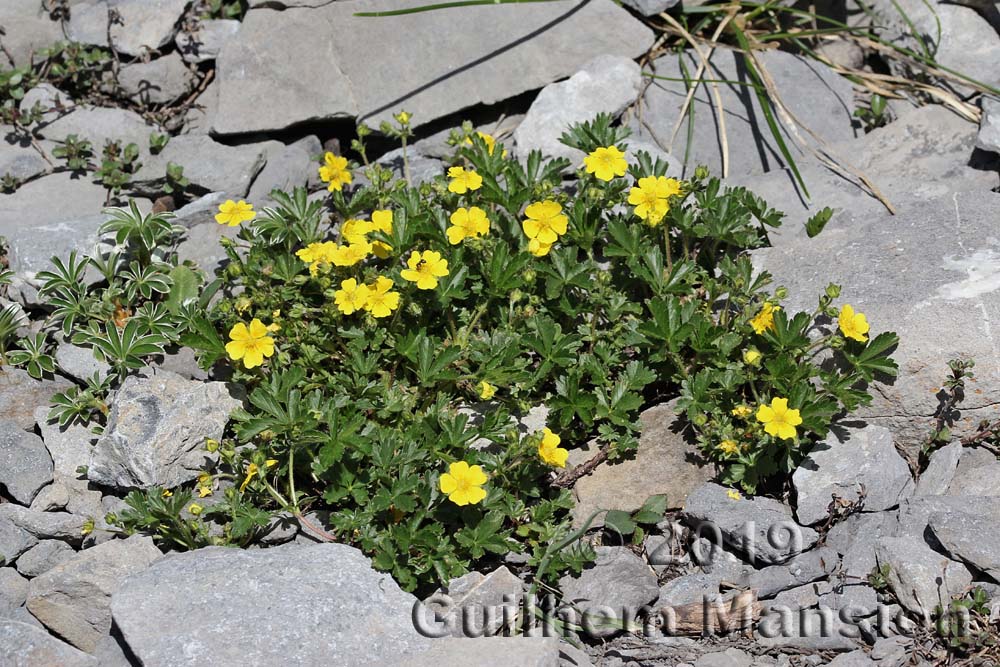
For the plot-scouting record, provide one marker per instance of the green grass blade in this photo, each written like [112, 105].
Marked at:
[689, 136]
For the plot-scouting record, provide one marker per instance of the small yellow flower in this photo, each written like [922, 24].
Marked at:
[424, 269]
[545, 221]
[382, 223]
[195, 509]
[88, 527]
[764, 320]
[463, 484]
[403, 118]
[486, 390]
[651, 197]
[742, 411]
[539, 249]
[166, 493]
[355, 231]
[852, 325]
[233, 213]
[490, 142]
[351, 296]
[204, 491]
[204, 485]
[463, 180]
[467, 223]
[211, 445]
[751, 356]
[318, 256]
[381, 299]
[350, 254]
[778, 419]
[550, 451]
[734, 494]
[605, 163]
[252, 471]
[251, 344]
[729, 447]
[335, 172]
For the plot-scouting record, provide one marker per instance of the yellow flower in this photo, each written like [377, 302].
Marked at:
[381, 222]
[403, 117]
[335, 172]
[204, 491]
[252, 471]
[463, 181]
[651, 197]
[742, 411]
[545, 222]
[729, 447]
[852, 325]
[764, 320]
[251, 344]
[467, 223]
[195, 509]
[351, 254]
[778, 419]
[87, 528]
[381, 300]
[539, 249]
[606, 163]
[232, 213]
[424, 268]
[351, 296]
[167, 493]
[354, 231]
[734, 494]
[463, 483]
[550, 451]
[490, 142]
[751, 356]
[486, 390]
[211, 445]
[318, 256]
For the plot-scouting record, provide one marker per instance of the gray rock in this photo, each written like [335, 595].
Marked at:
[201, 245]
[14, 541]
[487, 652]
[22, 162]
[914, 514]
[687, 589]
[146, 24]
[325, 606]
[920, 577]
[157, 429]
[650, 7]
[713, 558]
[98, 125]
[851, 461]
[207, 39]
[183, 362]
[891, 651]
[815, 95]
[109, 653]
[805, 568]
[80, 362]
[44, 525]
[159, 81]
[476, 601]
[855, 538]
[977, 474]
[606, 84]
[28, 29]
[43, 557]
[52, 101]
[761, 528]
[276, 64]
[843, 53]
[731, 657]
[800, 597]
[618, 583]
[570, 656]
[287, 168]
[201, 115]
[13, 591]
[209, 165]
[423, 169]
[282, 528]
[933, 256]
[808, 629]
[665, 463]
[73, 600]
[21, 394]
[25, 465]
[936, 479]
[201, 210]
[988, 138]
[972, 538]
[924, 155]
[860, 599]
[853, 659]
[26, 645]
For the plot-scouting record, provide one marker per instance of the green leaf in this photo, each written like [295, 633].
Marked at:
[183, 288]
[620, 522]
[816, 223]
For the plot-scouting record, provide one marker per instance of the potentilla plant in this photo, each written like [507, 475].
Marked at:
[392, 336]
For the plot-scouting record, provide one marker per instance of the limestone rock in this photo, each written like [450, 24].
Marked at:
[25, 465]
[27, 645]
[920, 577]
[208, 165]
[146, 24]
[159, 81]
[207, 39]
[618, 580]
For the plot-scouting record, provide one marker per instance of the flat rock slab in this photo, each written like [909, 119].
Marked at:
[325, 605]
[146, 25]
[817, 97]
[618, 583]
[848, 463]
[157, 429]
[487, 652]
[309, 64]
[208, 165]
[919, 576]
[21, 395]
[27, 645]
[25, 464]
[971, 538]
[931, 274]
[74, 599]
